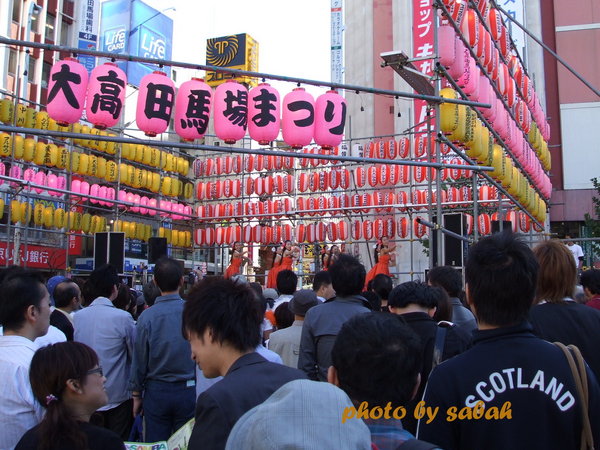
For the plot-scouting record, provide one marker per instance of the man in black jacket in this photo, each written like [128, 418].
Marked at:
[67, 299]
[416, 303]
[222, 320]
[512, 389]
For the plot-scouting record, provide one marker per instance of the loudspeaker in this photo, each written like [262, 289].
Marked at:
[506, 225]
[453, 247]
[157, 248]
[109, 248]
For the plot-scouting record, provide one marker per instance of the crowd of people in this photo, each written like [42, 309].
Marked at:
[353, 363]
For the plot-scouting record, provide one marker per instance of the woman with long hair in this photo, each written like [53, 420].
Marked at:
[383, 254]
[555, 316]
[284, 258]
[331, 256]
[238, 259]
[67, 381]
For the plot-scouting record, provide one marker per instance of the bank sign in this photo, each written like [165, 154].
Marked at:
[135, 28]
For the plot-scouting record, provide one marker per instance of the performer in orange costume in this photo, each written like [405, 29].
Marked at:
[283, 261]
[237, 260]
[383, 255]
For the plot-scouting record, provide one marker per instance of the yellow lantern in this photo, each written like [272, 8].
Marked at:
[166, 185]
[5, 144]
[25, 213]
[102, 145]
[123, 172]
[84, 164]
[139, 153]
[111, 147]
[7, 109]
[93, 166]
[147, 156]
[30, 118]
[38, 214]
[1, 208]
[138, 178]
[49, 216]
[42, 121]
[86, 222]
[40, 153]
[15, 211]
[51, 157]
[126, 150]
[155, 186]
[111, 171]
[174, 238]
[29, 149]
[100, 167]
[188, 190]
[62, 161]
[21, 115]
[155, 157]
[52, 125]
[59, 218]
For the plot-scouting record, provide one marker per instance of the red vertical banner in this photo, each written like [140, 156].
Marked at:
[423, 47]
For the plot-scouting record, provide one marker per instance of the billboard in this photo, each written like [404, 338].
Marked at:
[239, 51]
[87, 37]
[135, 28]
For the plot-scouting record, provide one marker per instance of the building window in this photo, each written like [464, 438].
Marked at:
[35, 24]
[50, 26]
[31, 69]
[16, 12]
[46, 67]
[65, 30]
[12, 61]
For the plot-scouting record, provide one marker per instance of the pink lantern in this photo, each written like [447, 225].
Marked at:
[192, 109]
[330, 118]
[155, 103]
[52, 183]
[298, 118]
[447, 43]
[67, 86]
[102, 194]
[94, 190]
[152, 203]
[28, 176]
[106, 95]
[231, 111]
[264, 113]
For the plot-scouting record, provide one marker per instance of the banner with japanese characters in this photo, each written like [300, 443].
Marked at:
[423, 52]
[34, 256]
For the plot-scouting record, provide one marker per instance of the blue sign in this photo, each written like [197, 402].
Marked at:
[135, 28]
[87, 41]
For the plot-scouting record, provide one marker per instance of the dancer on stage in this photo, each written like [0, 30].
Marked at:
[283, 261]
[331, 257]
[238, 259]
[383, 255]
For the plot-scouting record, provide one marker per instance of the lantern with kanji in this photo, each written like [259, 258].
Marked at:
[155, 103]
[67, 85]
[192, 109]
[106, 95]
[264, 115]
[298, 118]
[330, 118]
[231, 111]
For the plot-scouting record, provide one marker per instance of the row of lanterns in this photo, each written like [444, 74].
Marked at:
[342, 231]
[54, 218]
[177, 238]
[235, 110]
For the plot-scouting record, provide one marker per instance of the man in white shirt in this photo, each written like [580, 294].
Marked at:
[577, 252]
[25, 316]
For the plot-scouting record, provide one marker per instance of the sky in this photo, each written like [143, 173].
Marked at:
[293, 37]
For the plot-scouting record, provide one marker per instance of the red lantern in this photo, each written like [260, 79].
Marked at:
[378, 228]
[404, 147]
[192, 109]
[420, 173]
[298, 118]
[484, 224]
[469, 222]
[311, 233]
[453, 196]
[259, 162]
[106, 95]
[367, 230]
[303, 179]
[389, 227]
[301, 233]
[470, 27]
[247, 233]
[487, 193]
[263, 113]
[209, 237]
[419, 229]
[391, 149]
[345, 179]
[334, 205]
[155, 103]
[301, 206]
[286, 232]
[321, 205]
[230, 111]
[356, 230]
[67, 86]
[402, 199]
[372, 176]
[330, 118]
[402, 227]
[343, 230]
[321, 232]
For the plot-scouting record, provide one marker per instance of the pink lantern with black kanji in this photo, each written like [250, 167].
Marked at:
[67, 86]
[155, 103]
[192, 109]
[231, 111]
[298, 118]
[264, 113]
[330, 119]
[106, 95]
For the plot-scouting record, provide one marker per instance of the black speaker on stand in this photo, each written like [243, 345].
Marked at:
[157, 248]
[109, 248]
[453, 248]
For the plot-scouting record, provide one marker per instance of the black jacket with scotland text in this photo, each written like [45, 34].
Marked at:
[512, 368]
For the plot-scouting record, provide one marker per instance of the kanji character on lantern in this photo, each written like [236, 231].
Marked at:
[298, 118]
[192, 109]
[106, 95]
[66, 91]
[264, 114]
[155, 103]
[330, 119]
[231, 111]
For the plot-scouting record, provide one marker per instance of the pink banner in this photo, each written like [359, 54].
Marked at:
[423, 46]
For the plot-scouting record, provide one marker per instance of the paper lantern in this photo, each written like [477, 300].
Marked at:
[345, 179]
[360, 177]
[403, 147]
[67, 85]
[447, 45]
[378, 228]
[231, 111]
[419, 229]
[402, 227]
[263, 113]
[155, 103]
[484, 224]
[372, 176]
[330, 119]
[343, 230]
[487, 193]
[106, 95]
[367, 229]
[298, 118]
[192, 109]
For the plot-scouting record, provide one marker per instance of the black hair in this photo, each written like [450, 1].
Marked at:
[151, 292]
[123, 300]
[501, 274]
[321, 278]
[284, 317]
[230, 311]
[444, 307]
[448, 278]
[19, 290]
[415, 293]
[64, 293]
[103, 280]
[347, 276]
[167, 274]
[287, 282]
[382, 285]
[591, 279]
[51, 367]
[373, 298]
[377, 358]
